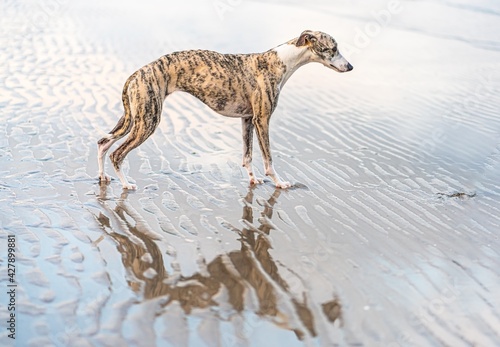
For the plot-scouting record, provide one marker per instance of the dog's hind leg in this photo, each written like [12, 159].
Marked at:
[121, 129]
[104, 144]
[146, 119]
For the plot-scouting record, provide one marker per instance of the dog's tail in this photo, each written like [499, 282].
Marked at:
[124, 125]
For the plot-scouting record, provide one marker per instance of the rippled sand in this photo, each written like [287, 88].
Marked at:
[390, 236]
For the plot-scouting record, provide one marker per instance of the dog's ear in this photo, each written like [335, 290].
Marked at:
[305, 38]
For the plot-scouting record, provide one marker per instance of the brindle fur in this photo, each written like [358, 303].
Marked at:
[235, 85]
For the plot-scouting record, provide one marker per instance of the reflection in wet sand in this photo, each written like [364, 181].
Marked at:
[250, 268]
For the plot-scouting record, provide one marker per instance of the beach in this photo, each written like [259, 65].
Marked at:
[389, 235]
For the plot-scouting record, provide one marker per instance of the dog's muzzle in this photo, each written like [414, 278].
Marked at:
[340, 64]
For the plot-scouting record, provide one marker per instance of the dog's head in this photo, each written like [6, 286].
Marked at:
[324, 50]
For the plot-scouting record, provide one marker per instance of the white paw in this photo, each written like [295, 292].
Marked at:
[130, 186]
[283, 185]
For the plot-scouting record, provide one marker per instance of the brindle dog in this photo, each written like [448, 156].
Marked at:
[234, 85]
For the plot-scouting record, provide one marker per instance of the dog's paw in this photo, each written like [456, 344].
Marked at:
[283, 185]
[130, 187]
[255, 180]
[104, 178]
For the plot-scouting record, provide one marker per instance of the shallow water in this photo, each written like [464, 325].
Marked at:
[388, 238]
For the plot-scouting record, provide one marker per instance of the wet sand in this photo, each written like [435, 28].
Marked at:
[389, 236]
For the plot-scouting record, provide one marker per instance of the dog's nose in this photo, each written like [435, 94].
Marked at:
[349, 67]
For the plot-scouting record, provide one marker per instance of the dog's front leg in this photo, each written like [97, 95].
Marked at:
[261, 123]
[247, 130]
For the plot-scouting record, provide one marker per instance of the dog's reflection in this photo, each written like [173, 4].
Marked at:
[249, 268]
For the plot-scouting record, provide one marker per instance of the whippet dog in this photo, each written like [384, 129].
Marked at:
[235, 85]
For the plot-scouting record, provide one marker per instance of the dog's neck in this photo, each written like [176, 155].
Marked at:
[293, 57]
